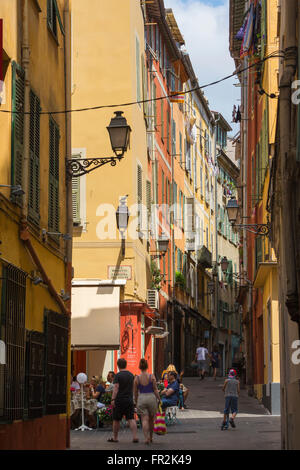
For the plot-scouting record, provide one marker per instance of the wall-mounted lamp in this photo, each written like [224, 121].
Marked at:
[122, 217]
[57, 234]
[232, 211]
[16, 190]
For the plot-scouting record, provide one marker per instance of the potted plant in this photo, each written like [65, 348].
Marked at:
[157, 277]
[180, 280]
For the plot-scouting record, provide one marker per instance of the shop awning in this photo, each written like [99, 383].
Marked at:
[95, 320]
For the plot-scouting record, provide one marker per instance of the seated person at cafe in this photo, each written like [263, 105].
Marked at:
[96, 389]
[110, 381]
[170, 395]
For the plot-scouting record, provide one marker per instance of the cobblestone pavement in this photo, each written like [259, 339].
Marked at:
[199, 426]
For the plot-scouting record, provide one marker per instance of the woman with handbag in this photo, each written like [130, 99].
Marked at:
[146, 397]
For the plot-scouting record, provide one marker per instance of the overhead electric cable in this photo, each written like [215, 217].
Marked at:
[172, 95]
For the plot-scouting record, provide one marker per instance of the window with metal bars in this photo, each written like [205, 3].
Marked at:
[12, 387]
[53, 214]
[34, 167]
[56, 332]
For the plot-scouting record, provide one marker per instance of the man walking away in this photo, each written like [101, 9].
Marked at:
[231, 388]
[122, 401]
[201, 354]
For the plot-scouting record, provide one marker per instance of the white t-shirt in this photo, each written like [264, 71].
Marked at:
[201, 354]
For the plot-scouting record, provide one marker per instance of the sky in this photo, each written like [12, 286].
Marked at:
[204, 25]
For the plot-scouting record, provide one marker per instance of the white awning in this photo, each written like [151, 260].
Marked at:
[95, 320]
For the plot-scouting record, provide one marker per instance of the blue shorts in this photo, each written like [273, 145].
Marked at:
[166, 402]
[231, 403]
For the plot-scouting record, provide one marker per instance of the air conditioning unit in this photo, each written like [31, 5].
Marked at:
[153, 299]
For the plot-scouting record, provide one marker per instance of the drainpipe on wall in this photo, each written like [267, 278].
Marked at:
[25, 65]
[288, 159]
[69, 212]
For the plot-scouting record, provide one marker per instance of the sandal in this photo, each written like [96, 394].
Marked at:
[135, 440]
[111, 439]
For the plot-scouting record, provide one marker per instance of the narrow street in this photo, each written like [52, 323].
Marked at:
[199, 426]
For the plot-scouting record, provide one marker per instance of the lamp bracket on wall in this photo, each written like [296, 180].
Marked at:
[81, 166]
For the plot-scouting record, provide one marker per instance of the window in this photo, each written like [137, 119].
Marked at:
[168, 130]
[52, 16]
[35, 374]
[34, 167]
[53, 217]
[12, 389]
[17, 127]
[173, 138]
[56, 327]
[140, 195]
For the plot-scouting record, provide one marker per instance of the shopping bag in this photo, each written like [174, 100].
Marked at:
[160, 422]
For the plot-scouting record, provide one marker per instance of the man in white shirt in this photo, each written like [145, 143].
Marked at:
[201, 355]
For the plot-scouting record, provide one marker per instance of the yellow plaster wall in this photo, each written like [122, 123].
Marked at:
[104, 72]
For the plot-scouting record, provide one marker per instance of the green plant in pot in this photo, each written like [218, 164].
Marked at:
[180, 280]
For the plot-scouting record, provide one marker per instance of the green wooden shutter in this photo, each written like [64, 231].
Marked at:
[148, 202]
[34, 166]
[162, 187]
[17, 128]
[173, 137]
[53, 218]
[139, 194]
[168, 130]
[155, 105]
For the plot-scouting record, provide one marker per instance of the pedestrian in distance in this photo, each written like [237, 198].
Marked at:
[231, 388]
[215, 358]
[201, 355]
[122, 401]
[146, 397]
[110, 381]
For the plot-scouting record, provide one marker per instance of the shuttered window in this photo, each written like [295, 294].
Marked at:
[148, 202]
[76, 200]
[17, 127]
[34, 166]
[35, 374]
[56, 332]
[139, 194]
[173, 137]
[53, 218]
[168, 131]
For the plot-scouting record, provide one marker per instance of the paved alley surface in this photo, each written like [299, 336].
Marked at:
[199, 426]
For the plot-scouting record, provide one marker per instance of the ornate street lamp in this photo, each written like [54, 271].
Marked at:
[162, 245]
[122, 217]
[15, 190]
[119, 133]
[224, 264]
[232, 211]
